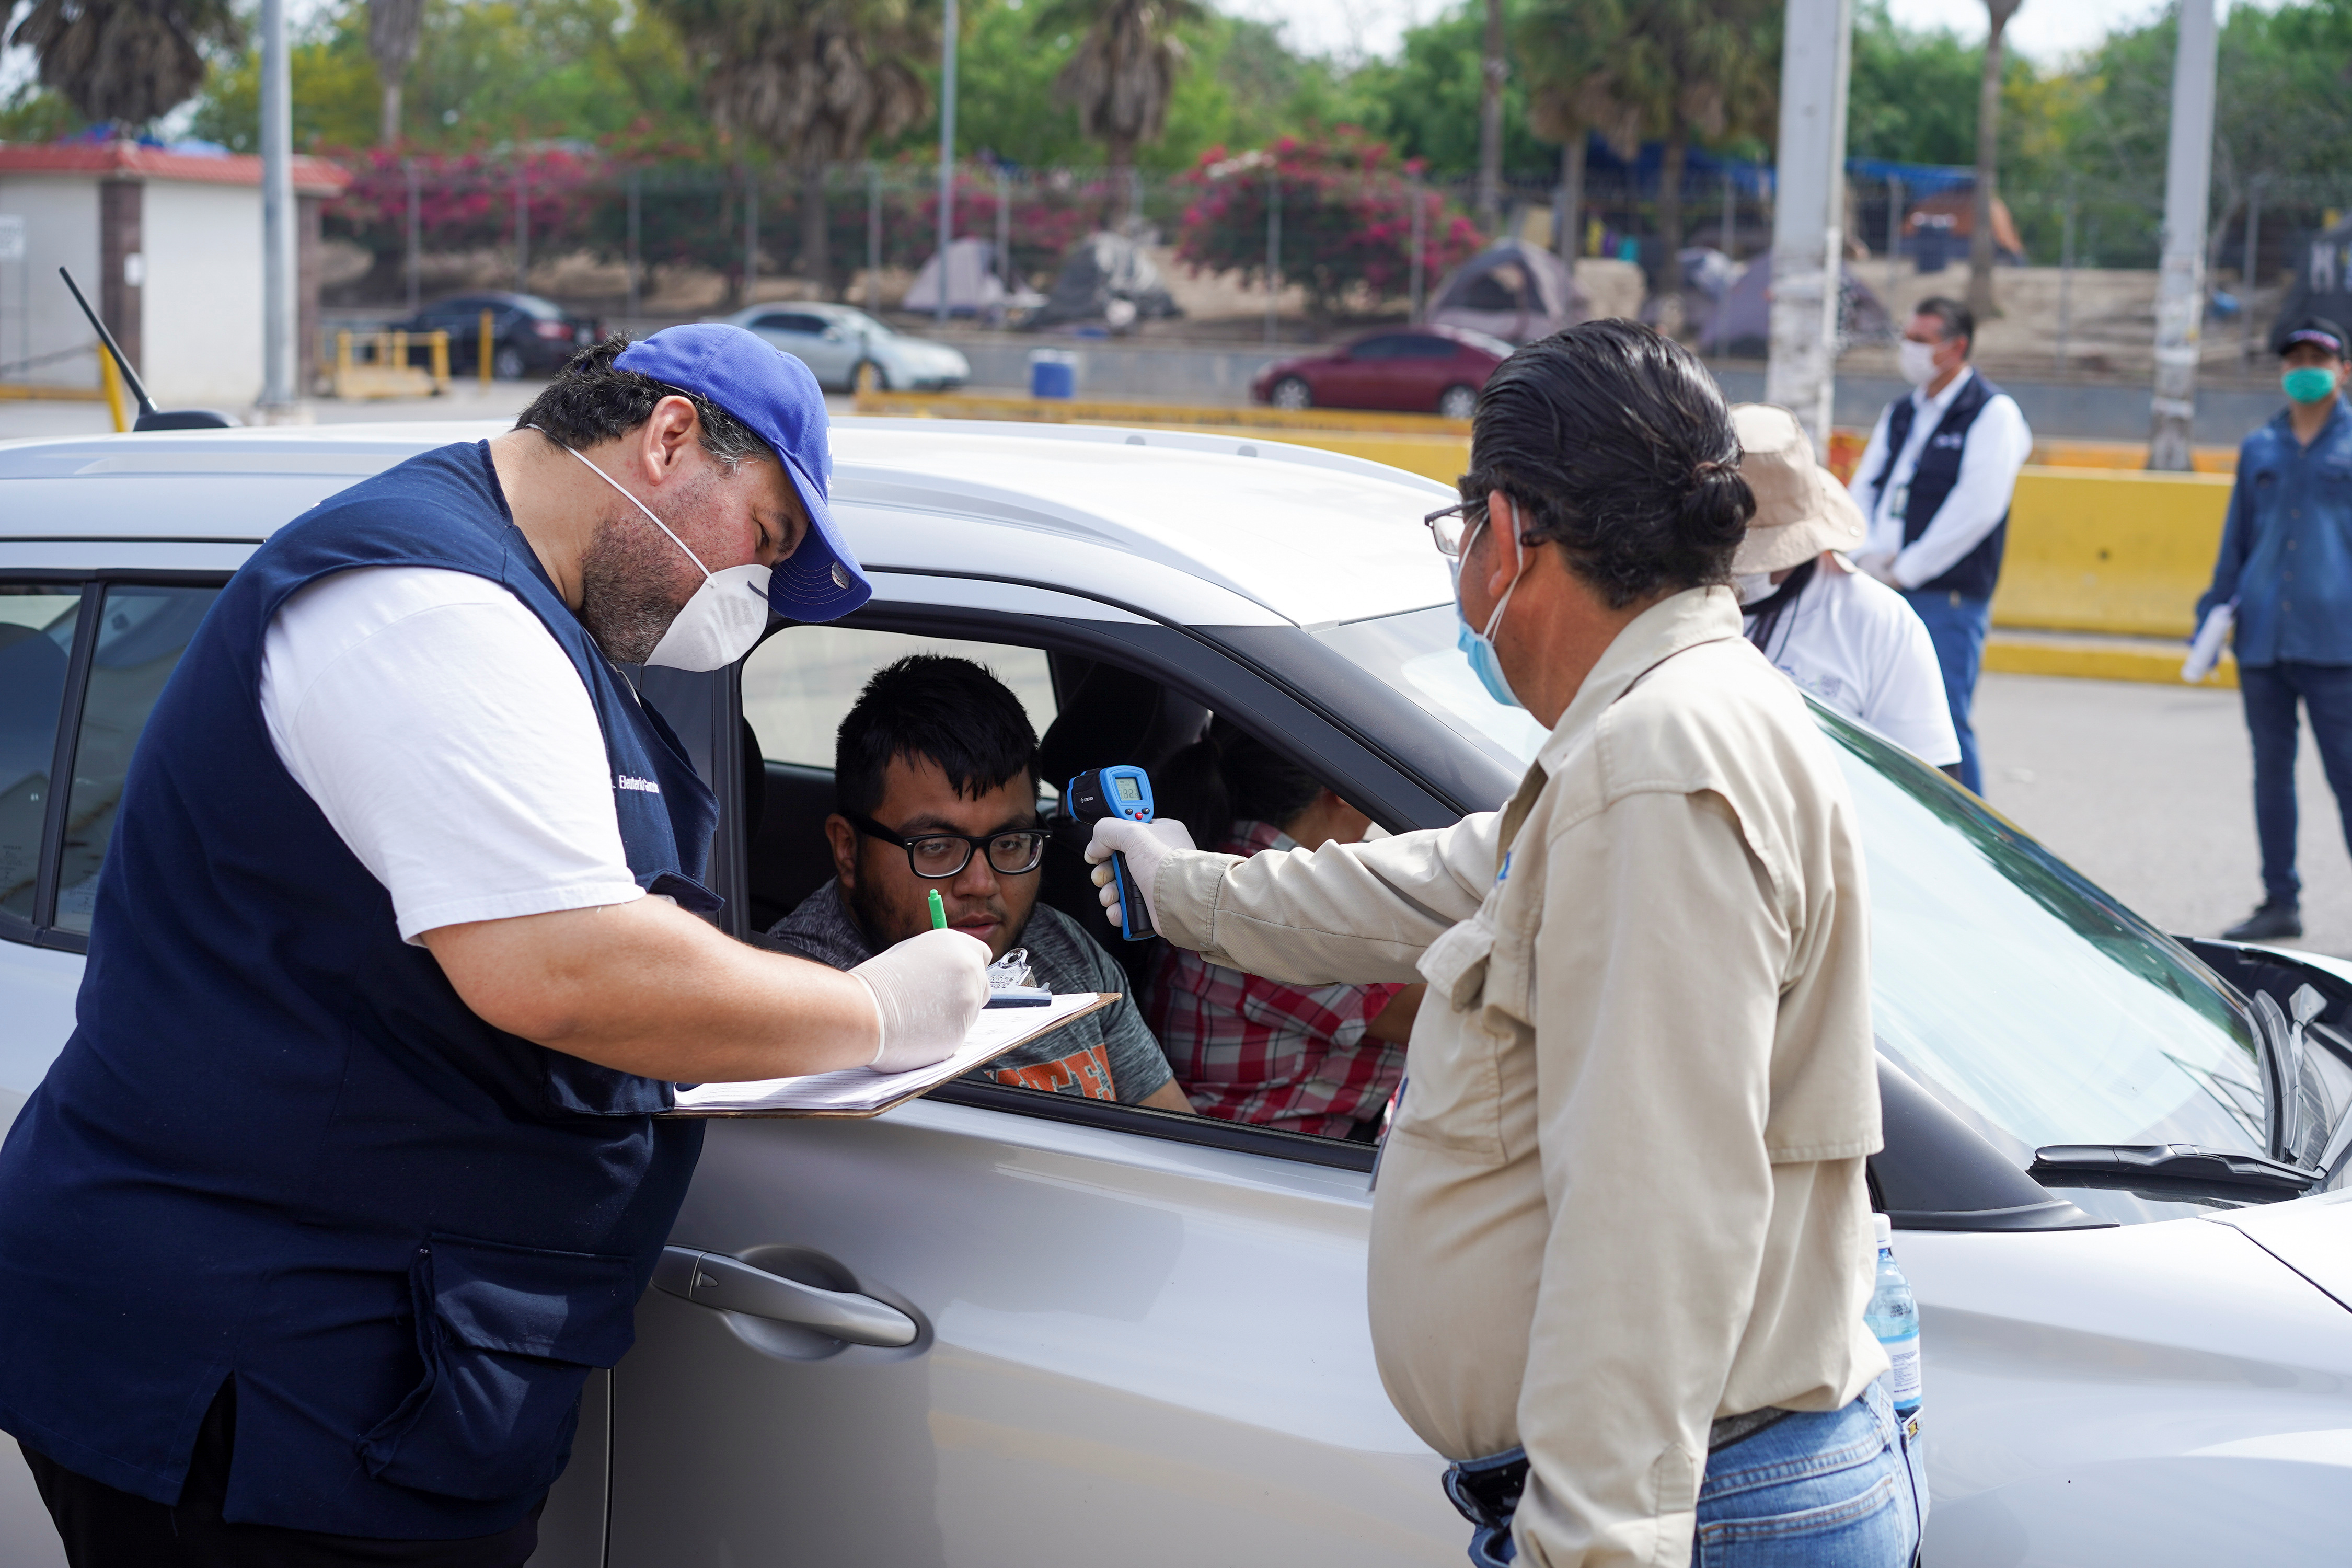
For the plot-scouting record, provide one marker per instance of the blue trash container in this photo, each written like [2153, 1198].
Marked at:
[1053, 373]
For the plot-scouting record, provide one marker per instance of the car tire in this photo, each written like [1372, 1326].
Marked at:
[1291, 393]
[1457, 401]
[868, 377]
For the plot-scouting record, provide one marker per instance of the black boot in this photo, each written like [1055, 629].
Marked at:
[2274, 920]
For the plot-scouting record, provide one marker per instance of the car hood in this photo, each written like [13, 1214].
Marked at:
[928, 355]
[2312, 1235]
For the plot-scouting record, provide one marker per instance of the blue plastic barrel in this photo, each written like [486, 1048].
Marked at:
[1053, 373]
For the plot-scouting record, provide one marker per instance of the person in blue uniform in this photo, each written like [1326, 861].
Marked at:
[351, 1171]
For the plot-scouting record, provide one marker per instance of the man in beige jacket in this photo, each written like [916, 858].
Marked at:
[1620, 1240]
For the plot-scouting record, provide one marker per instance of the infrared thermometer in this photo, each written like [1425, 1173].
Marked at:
[1122, 791]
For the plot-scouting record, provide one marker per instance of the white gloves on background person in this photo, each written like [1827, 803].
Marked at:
[929, 991]
[1146, 844]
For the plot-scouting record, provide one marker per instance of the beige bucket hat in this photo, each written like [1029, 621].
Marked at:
[1801, 507]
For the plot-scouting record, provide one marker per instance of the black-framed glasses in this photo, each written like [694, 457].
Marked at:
[935, 857]
[1450, 527]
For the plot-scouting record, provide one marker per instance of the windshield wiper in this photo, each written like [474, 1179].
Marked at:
[2170, 1162]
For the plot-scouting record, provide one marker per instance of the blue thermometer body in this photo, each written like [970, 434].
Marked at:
[1122, 791]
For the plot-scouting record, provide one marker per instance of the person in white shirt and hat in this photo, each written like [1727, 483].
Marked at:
[1844, 638]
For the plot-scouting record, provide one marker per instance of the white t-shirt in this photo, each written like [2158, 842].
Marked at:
[1852, 642]
[450, 743]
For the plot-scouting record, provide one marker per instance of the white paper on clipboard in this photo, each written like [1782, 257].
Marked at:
[854, 1091]
[2205, 649]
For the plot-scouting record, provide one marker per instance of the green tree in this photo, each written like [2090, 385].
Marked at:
[129, 61]
[1565, 49]
[1122, 74]
[1695, 70]
[1425, 102]
[1981, 298]
[394, 29]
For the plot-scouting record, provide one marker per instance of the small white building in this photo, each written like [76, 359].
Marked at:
[167, 247]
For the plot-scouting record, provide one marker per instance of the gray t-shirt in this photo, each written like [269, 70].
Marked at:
[1110, 1054]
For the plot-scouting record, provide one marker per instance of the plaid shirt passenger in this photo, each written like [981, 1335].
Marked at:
[1251, 1050]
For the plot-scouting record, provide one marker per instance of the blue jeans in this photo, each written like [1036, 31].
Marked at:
[1840, 1489]
[1956, 626]
[2270, 694]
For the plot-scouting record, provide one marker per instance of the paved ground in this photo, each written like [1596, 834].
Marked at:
[2148, 789]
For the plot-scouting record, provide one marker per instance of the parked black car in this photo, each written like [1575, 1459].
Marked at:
[529, 335]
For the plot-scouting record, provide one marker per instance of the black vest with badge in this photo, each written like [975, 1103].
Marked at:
[1938, 469]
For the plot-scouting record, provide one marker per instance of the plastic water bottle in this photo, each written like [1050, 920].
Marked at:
[1894, 1318]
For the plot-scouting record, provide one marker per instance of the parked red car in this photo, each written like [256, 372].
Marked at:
[1422, 369]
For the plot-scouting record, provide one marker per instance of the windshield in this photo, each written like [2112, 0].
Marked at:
[859, 322]
[2027, 1000]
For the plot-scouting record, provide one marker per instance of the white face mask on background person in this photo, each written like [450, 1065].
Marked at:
[723, 621]
[1916, 361]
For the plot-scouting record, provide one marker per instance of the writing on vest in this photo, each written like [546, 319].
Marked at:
[1938, 469]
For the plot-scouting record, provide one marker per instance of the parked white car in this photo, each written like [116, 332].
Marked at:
[849, 350]
[1142, 1335]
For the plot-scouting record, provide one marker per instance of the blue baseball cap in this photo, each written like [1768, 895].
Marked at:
[777, 396]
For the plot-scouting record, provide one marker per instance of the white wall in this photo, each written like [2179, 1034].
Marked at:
[60, 217]
[201, 307]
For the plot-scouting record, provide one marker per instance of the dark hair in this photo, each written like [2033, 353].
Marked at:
[1956, 320]
[1614, 442]
[952, 710]
[1227, 776]
[589, 401]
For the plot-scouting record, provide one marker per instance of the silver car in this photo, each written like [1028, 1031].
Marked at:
[849, 350]
[1003, 1329]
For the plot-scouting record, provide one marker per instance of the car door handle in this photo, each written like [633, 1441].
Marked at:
[715, 1280]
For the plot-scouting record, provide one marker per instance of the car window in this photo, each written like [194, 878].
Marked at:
[794, 322]
[1426, 348]
[37, 634]
[800, 684]
[2018, 992]
[1376, 348]
[142, 632]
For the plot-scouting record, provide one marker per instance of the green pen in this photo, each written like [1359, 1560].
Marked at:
[939, 913]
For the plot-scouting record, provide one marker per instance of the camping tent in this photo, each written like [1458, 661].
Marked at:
[1100, 269]
[1511, 291]
[2322, 280]
[973, 286]
[1737, 320]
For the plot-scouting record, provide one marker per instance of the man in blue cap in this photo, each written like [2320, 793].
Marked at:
[351, 1171]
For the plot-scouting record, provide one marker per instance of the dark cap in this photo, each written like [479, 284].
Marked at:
[2316, 330]
[776, 397]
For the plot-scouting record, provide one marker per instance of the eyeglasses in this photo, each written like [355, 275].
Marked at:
[1450, 527]
[936, 857]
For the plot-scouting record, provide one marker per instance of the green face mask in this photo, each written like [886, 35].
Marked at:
[2309, 383]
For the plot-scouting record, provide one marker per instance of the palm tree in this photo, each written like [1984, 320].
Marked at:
[392, 29]
[1980, 237]
[1565, 49]
[818, 81]
[1693, 69]
[1122, 76]
[125, 60]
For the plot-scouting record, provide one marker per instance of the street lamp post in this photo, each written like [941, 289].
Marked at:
[2180, 280]
[947, 150]
[1809, 213]
[277, 317]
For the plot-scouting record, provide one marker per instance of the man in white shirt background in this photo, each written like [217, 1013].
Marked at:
[1845, 639]
[1934, 487]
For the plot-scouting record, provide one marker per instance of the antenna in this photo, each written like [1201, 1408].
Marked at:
[130, 376]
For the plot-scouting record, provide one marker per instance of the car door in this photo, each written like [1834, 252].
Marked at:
[802, 335]
[1356, 377]
[1137, 1335]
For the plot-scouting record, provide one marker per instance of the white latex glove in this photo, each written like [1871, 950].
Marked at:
[928, 990]
[1146, 844]
[1881, 566]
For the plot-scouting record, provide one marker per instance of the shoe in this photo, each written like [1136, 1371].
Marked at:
[2272, 922]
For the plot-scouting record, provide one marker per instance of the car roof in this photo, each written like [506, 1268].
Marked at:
[1189, 527]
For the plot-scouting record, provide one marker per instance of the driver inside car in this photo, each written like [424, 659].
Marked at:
[935, 781]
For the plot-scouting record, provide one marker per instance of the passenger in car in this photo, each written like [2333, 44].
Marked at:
[934, 774]
[1321, 1060]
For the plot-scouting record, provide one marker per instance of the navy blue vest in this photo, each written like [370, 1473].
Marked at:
[1932, 479]
[279, 1148]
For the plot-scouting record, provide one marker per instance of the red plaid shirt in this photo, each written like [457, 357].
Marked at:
[1250, 1049]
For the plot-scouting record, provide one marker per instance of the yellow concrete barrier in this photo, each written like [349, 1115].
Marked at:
[2114, 551]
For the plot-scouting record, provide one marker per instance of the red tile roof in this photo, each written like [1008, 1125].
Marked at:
[130, 159]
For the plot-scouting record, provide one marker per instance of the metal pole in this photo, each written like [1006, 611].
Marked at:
[1894, 235]
[751, 229]
[2180, 281]
[2066, 283]
[1809, 213]
[1273, 255]
[637, 240]
[873, 235]
[2246, 270]
[1729, 234]
[522, 225]
[947, 150]
[1420, 240]
[278, 265]
[1004, 242]
[415, 240]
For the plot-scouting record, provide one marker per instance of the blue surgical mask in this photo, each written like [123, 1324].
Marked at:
[1478, 648]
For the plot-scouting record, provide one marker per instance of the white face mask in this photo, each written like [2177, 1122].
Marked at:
[1916, 361]
[1752, 586]
[724, 619]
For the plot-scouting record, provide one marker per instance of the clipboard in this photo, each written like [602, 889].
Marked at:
[856, 1093]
